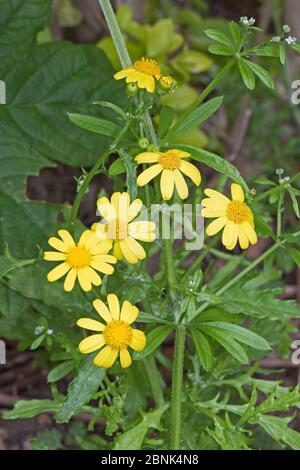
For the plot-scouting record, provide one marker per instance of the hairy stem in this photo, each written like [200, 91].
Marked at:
[177, 387]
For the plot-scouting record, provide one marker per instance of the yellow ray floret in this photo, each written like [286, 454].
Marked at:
[120, 228]
[171, 165]
[143, 72]
[115, 336]
[80, 260]
[233, 216]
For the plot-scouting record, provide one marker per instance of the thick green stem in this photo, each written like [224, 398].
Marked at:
[177, 387]
[88, 178]
[170, 263]
[239, 276]
[123, 54]
[154, 379]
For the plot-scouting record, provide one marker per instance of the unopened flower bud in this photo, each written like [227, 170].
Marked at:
[143, 142]
[132, 89]
[166, 82]
[286, 28]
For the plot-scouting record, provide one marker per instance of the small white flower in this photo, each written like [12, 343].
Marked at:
[276, 39]
[38, 330]
[290, 40]
[286, 28]
[247, 22]
[49, 332]
[279, 171]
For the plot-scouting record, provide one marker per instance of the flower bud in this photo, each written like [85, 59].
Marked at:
[143, 142]
[153, 148]
[132, 89]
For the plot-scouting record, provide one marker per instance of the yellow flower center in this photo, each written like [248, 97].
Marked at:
[147, 66]
[78, 257]
[238, 212]
[117, 334]
[169, 160]
[117, 229]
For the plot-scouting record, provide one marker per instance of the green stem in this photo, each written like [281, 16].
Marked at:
[177, 388]
[154, 379]
[90, 175]
[123, 54]
[239, 276]
[279, 215]
[170, 263]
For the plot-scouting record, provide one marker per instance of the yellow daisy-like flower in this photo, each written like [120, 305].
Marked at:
[233, 215]
[143, 72]
[80, 260]
[171, 164]
[120, 228]
[116, 336]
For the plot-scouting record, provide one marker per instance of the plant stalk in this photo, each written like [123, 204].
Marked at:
[177, 380]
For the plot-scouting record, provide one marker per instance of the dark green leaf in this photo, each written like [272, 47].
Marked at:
[116, 168]
[219, 37]
[246, 74]
[203, 349]
[94, 124]
[166, 119]
[61, 371]
[24, 409]
[154, 340]
[241, 334]
[261, 73]
[295, 254]
[218, 49]
[228, 343]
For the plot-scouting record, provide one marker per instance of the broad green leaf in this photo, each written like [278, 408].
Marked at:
[81, 389]
[116, 168]
[37, 342]
[219, 37]
[7, 265]
[24, 409]
[61, 371]
[219, 49]
[228, 343]
[236, 32]
[246, 74]
[154, 340]
[166, 118]
[197, 117]
[266, 50]
[295, 254]
[241, 334]
[216, 162]
[278, 429]
[261, 73]
[94, 124]
[203, 349]
[133, 438]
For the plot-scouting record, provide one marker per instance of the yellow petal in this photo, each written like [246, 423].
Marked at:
[104, 259]
[129, 312]
[91, 344]
[215, 226]
[66, 238]
[250, 232]
[70, 280]
[117, 251]
[191, 171]
[228, 233]
[167, 184]
[104, 268]
[147, 157]
[90, 324]
[180, 185]
[143, 236]
[106, 357]
[106, 209]
[125, 358]
[57, 244]
[135, 247]
[123, 73]
[124, 202]
[182, 153]
[212, 213]
[102, 310]
[127, 253]
[243, 239]
[149, 174]
[102, 247]
[58, 272]
[234, 238]
[214, 203]
[134, 209]
[84, 279]
[114, 306]
[93, 276]
[85, 236]
[138, 341]
[146, 81]
[142, 226]
[54, 256]
[212, 193]
[237, 192]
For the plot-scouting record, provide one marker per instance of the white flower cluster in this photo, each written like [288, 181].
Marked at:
[290, 40]
[247, 22]
[40, 329]
[276, 39]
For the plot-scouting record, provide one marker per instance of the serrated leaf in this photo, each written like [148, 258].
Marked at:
[216, 162]
[154, 340]
[196, 117]
[261, 73]
[246, 74]
[203, 349]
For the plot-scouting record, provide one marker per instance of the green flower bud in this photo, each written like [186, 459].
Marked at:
[143, 142]
[153, 148]
[132, 89]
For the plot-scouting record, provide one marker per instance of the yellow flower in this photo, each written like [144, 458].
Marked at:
[171, 165]
[119, 227]
[116, 336]
[143, 72]
[80, 259]
[233, 215]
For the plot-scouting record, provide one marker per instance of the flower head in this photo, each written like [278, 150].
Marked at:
[247, 22]
[290, 40]
[79, 260]
[116, 335]
[143, 72]
[120, 228]
[233, 215]
[171, 164]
